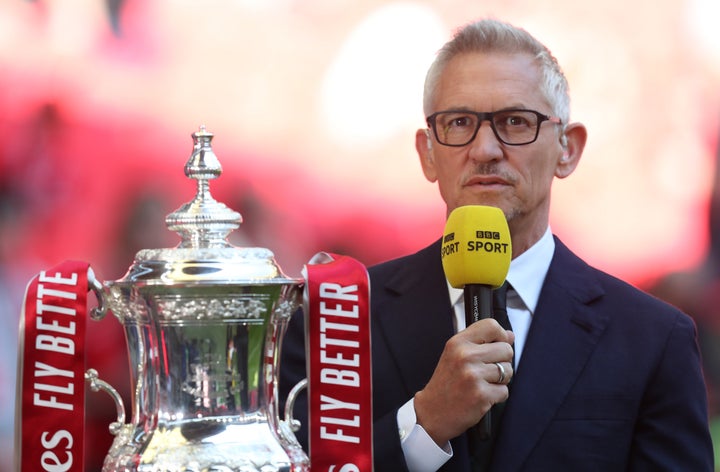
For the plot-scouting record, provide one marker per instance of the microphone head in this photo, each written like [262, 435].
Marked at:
[476, 246]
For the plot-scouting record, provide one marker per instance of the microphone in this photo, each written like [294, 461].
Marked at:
[476, 252]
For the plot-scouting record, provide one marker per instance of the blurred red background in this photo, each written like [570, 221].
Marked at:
[314, 104]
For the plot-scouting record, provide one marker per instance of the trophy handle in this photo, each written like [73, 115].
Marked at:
[96, 384]
[99, 312]
[290, 405]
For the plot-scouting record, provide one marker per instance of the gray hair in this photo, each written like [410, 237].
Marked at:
[492, 36]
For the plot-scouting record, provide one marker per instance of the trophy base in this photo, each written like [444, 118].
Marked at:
[225, 448]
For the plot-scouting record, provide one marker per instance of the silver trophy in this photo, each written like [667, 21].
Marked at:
[204, 322]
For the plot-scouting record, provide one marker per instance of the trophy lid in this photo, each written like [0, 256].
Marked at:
[204, 254]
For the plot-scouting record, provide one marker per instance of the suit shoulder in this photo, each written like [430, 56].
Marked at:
[632, 295]
[633, 306]
[593, 285]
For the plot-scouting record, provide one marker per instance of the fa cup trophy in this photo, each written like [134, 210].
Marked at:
[203, 322]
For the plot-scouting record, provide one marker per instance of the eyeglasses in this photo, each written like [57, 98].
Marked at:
[511, 126]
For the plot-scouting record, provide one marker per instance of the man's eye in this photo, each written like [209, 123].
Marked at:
[460, 122]
[515, 121]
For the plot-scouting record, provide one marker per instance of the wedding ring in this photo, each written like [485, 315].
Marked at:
[501, 371]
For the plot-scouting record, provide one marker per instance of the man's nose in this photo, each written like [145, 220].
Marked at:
[485, 146]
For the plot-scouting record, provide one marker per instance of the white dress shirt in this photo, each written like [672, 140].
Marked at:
[526, 275]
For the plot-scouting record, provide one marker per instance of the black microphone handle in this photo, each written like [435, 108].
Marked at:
[478, 306]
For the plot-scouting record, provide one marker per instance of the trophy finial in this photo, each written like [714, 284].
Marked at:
[203, 163]
[203, 222]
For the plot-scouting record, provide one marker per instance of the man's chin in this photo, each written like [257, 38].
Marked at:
[487, 200]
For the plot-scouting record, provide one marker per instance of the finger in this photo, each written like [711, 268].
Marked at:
[493, 352]
[487, 331]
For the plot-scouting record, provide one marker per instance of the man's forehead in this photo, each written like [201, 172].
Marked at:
[490, 80]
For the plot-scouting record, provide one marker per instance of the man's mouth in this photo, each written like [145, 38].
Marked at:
[486, 181]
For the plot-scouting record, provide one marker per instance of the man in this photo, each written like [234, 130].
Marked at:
[604, 377]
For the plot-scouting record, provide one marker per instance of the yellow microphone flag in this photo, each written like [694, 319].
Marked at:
[476, 246]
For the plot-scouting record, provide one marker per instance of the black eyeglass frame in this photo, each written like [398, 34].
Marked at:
[489, 115]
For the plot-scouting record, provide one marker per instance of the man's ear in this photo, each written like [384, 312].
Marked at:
[424, 147]
[572, 142]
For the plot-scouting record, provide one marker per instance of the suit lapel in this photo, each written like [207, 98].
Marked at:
[415, 317]
[562, 336]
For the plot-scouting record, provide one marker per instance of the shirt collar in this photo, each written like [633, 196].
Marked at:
[527, 272]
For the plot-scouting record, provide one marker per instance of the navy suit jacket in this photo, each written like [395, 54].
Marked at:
[609, 379]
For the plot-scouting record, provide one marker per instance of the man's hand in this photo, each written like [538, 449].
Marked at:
[465, 384]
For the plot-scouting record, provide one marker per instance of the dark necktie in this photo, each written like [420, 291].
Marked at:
[500, 305]
[481, 449]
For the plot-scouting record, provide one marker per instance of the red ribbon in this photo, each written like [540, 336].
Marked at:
[51, 369]
[340, 371]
